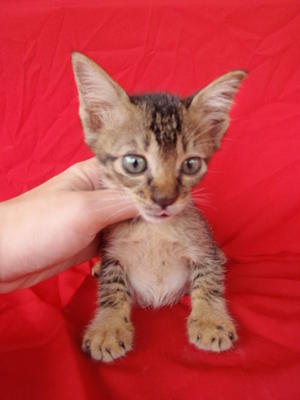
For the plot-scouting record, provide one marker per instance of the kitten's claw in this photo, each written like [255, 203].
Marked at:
[95, 270]
[108, 341]
[86, 346]
[210, 334]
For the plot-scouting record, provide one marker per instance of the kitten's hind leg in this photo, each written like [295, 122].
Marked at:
[110, 334]
[210, 326]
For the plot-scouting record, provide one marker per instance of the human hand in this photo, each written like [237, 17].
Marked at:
[56, 225]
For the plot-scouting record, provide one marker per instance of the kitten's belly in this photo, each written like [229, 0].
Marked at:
[156, 276]
[158, 273]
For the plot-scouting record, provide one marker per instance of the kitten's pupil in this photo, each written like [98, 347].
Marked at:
[191, 166]
[134, 164]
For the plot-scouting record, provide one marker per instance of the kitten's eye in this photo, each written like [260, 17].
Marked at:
[134, 164]
[191, 165]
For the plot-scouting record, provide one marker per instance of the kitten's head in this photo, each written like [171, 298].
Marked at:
[156, 146]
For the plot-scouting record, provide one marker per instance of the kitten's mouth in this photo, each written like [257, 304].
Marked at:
[160, 216]
[154, 215]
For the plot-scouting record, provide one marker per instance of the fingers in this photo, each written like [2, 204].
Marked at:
[106, 207]
[86, 174]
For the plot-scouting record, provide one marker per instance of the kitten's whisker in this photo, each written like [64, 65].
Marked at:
[198, 196]
[199, 193]
[205, 204]
[198, 190]
[203, 199]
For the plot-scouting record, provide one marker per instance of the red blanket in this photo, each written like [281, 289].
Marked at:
[253, 187]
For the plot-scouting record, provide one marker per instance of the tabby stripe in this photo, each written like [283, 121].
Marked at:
[108, 262]
[117, 279]
[113, 286]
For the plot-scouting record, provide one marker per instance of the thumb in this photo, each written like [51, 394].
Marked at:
[106, 207]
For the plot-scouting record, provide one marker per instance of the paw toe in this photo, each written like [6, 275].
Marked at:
[208, 335]
[107, 343]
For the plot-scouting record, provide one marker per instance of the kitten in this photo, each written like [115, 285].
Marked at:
[155, 148]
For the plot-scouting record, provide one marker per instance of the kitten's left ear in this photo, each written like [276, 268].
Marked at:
[208, 109]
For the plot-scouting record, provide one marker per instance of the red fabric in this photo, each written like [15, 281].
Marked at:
[252, 184]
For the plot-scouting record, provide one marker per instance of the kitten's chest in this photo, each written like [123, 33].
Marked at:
[153, 256]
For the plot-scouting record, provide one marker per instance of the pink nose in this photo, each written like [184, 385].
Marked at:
[164, 202]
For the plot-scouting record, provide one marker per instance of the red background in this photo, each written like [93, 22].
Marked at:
[253, 188]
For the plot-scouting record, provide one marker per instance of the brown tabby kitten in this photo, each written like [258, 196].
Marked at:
[155, 148]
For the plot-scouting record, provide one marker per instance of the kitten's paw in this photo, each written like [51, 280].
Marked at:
[95, 270]
[211, 334]
[108, 340]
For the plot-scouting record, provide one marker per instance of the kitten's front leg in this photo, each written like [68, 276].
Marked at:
[110, 334]
[210, 326]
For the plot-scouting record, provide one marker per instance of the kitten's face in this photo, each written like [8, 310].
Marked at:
[154, 147]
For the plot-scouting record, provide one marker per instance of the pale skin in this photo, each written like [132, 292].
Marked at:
[56, 225]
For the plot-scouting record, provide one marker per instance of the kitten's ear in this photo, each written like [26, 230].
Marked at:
[209, 108]
[101, 100]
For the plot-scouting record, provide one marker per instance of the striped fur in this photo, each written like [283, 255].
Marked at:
[144, 261]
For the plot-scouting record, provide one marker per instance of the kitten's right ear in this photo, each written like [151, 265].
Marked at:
[101, 100]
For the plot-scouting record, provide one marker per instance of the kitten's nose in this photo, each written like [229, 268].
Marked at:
[163, 201]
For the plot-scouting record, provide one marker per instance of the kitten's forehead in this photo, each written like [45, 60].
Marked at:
[163, 113]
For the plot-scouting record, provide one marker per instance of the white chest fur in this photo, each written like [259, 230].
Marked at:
[153, 256]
